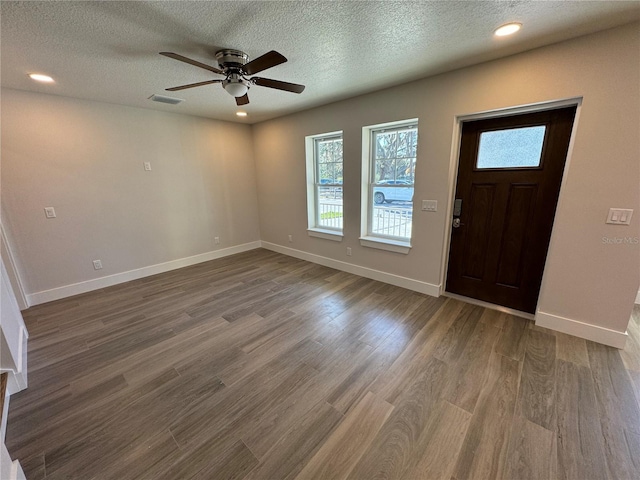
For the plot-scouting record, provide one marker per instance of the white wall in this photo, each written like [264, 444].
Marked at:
[86, 160]
[586, 280]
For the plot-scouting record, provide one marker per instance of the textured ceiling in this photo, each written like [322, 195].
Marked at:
[108, 51]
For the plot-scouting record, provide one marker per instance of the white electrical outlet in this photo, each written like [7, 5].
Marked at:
[49, 212]
[348, 251]
[290, 238]
[97, 264]
[147, 166]
[216, 240]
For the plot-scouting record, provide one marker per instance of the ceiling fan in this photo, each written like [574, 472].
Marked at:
[235, 66]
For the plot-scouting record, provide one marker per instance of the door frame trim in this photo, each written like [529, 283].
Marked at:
[454, 164]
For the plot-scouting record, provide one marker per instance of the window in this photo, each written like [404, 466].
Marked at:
[512, 148]
[324, 185]
[388, 182]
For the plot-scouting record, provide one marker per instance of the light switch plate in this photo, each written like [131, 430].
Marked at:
[49, 212]
[147, 166]
[620, 216]
[430, 205]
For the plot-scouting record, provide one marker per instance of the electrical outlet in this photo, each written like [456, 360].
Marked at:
[147, 166]
[290, 238]
[49, 212]
[216, 240]
[348, 251]
[97, 264]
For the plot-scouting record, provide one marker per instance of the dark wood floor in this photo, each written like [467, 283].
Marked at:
[261, 366]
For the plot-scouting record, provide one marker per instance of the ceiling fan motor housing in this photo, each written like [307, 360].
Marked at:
[231, 59]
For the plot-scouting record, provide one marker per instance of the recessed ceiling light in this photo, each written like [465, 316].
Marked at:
[41, 78]
[508, 29]
[241, 114]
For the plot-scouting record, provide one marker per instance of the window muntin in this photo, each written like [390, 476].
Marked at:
[391, 184]
[328, 183]
[511, 148]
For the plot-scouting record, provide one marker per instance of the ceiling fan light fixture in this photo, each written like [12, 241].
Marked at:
[235, 86]
[507, 29]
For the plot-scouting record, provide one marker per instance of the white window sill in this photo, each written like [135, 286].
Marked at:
[397, 246]
[326, 234]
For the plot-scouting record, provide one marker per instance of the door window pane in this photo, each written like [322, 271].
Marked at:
[513, 148]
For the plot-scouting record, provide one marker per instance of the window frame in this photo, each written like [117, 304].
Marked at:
[314, 228]
[368, 238]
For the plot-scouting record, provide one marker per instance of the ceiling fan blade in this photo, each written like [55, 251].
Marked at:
[180, 58]
[191, 85]
[277, 84]
[268, 60]
[243, 100]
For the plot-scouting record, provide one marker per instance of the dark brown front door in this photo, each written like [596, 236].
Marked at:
[509, 178]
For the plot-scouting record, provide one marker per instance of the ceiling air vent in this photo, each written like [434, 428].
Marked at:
[163, 99]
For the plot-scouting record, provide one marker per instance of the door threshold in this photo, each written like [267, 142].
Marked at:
[492, 306]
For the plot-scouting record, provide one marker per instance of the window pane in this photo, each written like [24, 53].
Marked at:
[513, 148]
[385, 170]
[386, 144]
[325, 173]
[330, 210]
[392, 211]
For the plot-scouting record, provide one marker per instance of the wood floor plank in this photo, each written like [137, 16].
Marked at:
[34, 465]
[635, 381]
[394, 446]
[494, 318]
[469, 372]
[294, 449]
[344, 447]
[619, 452]
[532, 451]
[408, 365]
[484, 451]
[359, 381]
[572, 349]
[216, 458]
[617, 404]
[631, 352]
[449, 311]
[147, 459]
[459, 333]
[580, 445]
[439, 445]
[237, 404]
[512, 342]
[536, 400]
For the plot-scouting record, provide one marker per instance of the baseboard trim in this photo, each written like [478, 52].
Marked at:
[103, 282]
[587, 331]
[397, 280]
